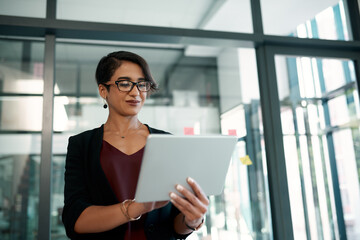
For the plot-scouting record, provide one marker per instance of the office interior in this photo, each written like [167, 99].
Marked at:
[283, 76]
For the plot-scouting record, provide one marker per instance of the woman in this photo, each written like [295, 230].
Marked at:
[102, 166]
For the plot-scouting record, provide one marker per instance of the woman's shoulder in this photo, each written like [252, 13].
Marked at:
[88, 133]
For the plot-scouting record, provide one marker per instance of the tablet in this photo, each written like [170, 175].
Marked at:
[168, 160]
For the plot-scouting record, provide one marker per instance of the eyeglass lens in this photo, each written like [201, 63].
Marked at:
[127, 86]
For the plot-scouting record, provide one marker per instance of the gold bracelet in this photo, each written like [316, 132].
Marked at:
[125, 209]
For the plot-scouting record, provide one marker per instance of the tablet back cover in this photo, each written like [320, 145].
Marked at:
[168, 160]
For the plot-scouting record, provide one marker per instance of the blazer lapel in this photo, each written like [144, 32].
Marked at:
[103, 193]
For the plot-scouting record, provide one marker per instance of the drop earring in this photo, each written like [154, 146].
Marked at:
[105, 104]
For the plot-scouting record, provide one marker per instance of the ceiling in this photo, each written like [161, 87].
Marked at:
[280, 17]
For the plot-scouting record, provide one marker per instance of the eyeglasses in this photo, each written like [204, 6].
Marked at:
[127, 86]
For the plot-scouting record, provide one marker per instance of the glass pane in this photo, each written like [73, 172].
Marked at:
[21, 66]
[246, 195]
[30, 118]
[320, 98]
[346, 143]
[28, 8]
[325, 19]
[194, 98]
[200, 14]
[20, 73]
[19, 189]
[57, 191]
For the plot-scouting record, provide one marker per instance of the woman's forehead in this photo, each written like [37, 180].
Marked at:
[129, 69]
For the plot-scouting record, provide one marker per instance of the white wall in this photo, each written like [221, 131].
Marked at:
[229, 79]
[238, 79]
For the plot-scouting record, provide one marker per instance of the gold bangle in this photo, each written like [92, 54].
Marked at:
[125, 209]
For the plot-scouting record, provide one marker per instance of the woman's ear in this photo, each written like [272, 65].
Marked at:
[102, 91]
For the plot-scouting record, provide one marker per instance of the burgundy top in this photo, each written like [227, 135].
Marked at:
[122, 172]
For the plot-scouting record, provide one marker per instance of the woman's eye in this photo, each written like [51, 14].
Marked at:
[124, 84]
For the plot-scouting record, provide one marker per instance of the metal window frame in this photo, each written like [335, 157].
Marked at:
[44, 226]
[266, 47]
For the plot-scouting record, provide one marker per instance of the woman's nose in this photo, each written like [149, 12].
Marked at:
[134, 91]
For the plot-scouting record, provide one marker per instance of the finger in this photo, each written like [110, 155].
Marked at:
[192, 198]
[198, 190]
[184, 206]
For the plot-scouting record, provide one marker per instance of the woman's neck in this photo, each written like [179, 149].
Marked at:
[122, 126]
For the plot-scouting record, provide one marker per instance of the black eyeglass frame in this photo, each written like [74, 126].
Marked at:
[132, 86]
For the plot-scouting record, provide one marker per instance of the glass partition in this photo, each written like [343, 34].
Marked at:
[21, 87]
[320, 117]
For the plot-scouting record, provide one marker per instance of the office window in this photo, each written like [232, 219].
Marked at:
[28, 8]
[320, 120]
[245, 213]
[325, 19]
[231, 15]
[21, 87]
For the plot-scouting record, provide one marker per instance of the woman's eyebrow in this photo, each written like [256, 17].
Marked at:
[123, 78]
[128, 78]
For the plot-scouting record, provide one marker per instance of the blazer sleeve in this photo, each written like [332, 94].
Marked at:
[176, 235]
[76, 197]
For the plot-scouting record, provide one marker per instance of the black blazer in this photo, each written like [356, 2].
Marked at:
[86, 185]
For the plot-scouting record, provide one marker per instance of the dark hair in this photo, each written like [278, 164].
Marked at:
[108, 65]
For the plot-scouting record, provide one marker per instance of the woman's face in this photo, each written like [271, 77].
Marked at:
[126, 103]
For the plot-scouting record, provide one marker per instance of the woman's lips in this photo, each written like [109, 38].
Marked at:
[133, 102]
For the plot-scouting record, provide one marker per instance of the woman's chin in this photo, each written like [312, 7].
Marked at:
[131, 113]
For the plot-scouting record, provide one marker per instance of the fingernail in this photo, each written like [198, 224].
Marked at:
[179, 187]
[190, 180]
[172, 195]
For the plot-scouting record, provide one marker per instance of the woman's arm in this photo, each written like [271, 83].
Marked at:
[96, 219]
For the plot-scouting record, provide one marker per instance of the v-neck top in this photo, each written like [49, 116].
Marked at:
[122, 172]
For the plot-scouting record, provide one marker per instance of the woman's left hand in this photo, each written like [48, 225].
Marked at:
[192, 205]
